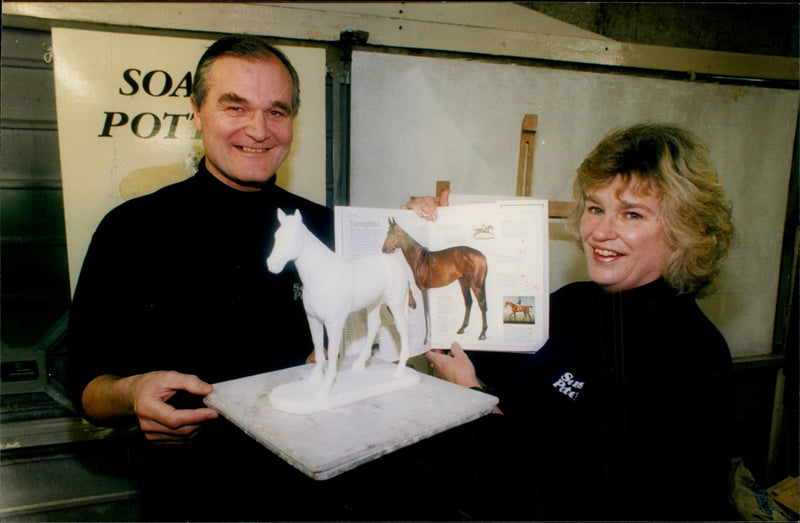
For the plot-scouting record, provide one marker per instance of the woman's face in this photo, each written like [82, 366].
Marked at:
[623, 236]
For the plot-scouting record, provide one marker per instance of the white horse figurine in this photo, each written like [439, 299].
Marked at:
[333, 287]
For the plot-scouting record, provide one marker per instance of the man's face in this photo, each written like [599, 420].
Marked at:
[246, 120]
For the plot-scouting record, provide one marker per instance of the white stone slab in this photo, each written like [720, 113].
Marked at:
[325, 444]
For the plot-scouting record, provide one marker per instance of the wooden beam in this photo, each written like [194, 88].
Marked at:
[527, 144]
[441, 185]
[325, 21]
[559, 210]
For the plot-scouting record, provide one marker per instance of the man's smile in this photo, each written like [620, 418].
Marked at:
[250, 149]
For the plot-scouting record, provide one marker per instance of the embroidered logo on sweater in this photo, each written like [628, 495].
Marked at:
[568, 385]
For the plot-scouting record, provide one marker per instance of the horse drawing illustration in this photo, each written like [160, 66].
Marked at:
[516, 308]
[432, 269]
[333, 287]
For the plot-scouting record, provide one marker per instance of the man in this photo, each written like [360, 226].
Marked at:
[174, 293]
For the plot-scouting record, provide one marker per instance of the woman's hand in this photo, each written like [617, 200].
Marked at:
[426, 206]
[454, 366]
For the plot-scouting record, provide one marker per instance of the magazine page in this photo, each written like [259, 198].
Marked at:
[483, 274]
[360, 233]
[464, 199]
[512, 236]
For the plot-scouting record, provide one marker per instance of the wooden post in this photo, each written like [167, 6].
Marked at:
[558, 210]
[441, 185]
[527, 142]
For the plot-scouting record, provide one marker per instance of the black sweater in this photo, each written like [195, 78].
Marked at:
[177, 280]
[626, 412]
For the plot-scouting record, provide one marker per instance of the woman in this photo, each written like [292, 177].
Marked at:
[625, 413]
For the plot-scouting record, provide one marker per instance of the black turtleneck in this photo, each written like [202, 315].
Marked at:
[177, 280]
[626, 411]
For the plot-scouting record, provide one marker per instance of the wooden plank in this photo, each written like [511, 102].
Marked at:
[321, 22]
[559, 209]
[441, 185]
[527, 144]
[765, 361]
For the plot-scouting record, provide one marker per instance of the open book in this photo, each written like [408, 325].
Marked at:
[497, 251]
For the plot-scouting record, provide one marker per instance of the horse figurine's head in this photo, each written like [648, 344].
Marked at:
[288, 241]
[394, 237]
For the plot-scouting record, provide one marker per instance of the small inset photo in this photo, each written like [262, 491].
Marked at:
[519, 309]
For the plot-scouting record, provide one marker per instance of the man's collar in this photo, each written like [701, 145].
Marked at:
[203, 172]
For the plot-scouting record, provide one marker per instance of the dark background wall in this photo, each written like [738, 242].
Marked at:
[757, 28]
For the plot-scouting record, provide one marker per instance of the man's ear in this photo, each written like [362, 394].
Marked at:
[198, 124]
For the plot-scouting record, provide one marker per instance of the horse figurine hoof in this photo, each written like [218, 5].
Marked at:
[316, 374]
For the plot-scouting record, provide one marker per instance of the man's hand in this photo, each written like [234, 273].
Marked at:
[145, 396]
[454, 367]
[425, 206]
[161, 422]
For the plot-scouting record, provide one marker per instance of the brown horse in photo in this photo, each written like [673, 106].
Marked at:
[441, 268]
[516, 308]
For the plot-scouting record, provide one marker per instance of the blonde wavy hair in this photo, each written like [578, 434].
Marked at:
[673, 165]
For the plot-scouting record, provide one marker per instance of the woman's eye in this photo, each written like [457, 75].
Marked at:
[593, 209]
[633, 215]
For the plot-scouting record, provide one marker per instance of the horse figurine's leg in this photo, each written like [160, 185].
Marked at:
[401, 322]
[334, 329]
[373, 324]
[398, 306]
[464, 284]
[317, 337]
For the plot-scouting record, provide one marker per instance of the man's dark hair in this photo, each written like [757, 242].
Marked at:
[242, 46]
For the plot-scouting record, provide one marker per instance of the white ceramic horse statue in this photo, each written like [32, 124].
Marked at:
[333, 287]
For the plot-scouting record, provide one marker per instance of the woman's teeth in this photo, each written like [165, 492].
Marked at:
[603, 252]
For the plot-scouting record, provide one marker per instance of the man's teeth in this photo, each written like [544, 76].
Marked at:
[252, 150]
[603, 252]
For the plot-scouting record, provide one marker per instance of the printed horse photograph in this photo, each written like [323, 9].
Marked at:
[434, 269]
[515, 311]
